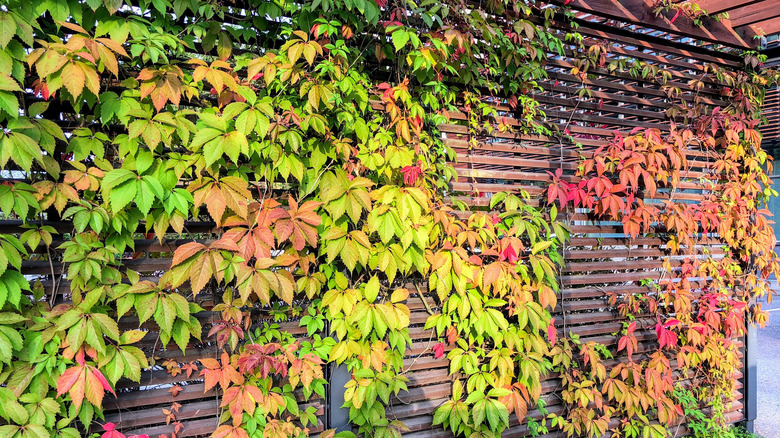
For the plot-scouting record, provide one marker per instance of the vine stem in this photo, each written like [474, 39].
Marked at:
[422, 298]
[53, 279]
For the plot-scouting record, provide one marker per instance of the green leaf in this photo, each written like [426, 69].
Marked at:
[181, 305]
[58, 8]
[165, 314]
[110, 105]
[143, 161]
[332, 187]
[15, 411]
[112, 5]
[6, 349]
[108, 325]
[361, 130]
[203, 136]
[372, 289]
[68, 319]
[134, 359]
[7, 83]
[442, 413]
[124, 194]
[11, 318]
[117, 177]
[494, 414]
[400, 38]
[181, 334]
[148, 190]
[3, 262]
[479, 412]
[93, 336]
[14, 283]
[7, 28]
[213, 152]
[9, 103]
[8, 430]
[246, 121]
[145, 306]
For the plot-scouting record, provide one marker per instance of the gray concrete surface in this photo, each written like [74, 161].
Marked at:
[768, 420]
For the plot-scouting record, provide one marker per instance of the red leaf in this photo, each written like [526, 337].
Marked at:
[508, 254]
[438, 350]
[671, 323]
[552, 333]
[103, 381]
[411, 174]
[110, 432]
[666, 338]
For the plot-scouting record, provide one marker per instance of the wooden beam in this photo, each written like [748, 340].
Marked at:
[717, 6]
[641, 12]
[767, 27]
[754, 13]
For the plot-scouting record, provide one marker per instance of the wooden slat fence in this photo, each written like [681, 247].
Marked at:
[599, 258]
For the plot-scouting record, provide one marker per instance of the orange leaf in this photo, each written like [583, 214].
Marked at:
[215, 204]
[186, 251]
[93, 388]
[227, 431]
[68, 383]
[201, 273]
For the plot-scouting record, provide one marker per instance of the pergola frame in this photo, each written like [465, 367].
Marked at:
[747, 20]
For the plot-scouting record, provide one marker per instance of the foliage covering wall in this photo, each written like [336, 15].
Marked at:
[293, 150]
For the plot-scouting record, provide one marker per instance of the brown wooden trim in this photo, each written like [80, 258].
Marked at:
[754, 13]
[718, 6]
[767, 27]
[641, 12]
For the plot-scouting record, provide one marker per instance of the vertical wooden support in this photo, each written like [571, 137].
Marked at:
[751, 378]
[337, 417]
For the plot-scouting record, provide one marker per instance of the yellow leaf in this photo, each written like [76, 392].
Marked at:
[200, 273]
[541, 246]
[314, 97]
[73, 78]
[92, 79]
[399, 295]
[309, 52]
[294, 52]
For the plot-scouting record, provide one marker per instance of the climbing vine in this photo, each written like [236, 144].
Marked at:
[704, 301]
[288, 159]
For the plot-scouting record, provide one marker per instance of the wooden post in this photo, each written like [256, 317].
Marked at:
[338, 417]
[751, 378]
